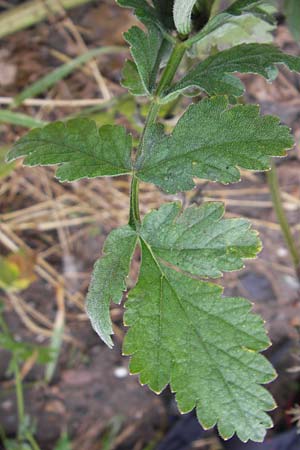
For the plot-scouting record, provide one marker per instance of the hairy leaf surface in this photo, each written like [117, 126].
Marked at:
[184, 333]
[211, 141]
[212, 75]
[183, 15]
[198, 240]
[108, 280]
[145, 52]
[78, 147]
[131, 79]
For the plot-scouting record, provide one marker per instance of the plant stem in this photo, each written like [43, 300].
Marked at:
[166, 80]
[19, 392]
[134, 215]
[282, 219]
[171, 67]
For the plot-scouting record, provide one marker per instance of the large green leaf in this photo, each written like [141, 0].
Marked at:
[108, 280]
[80, 149]
[184, 333]
[211, 140]
[145, 50]
[212, 75]
[198, 240]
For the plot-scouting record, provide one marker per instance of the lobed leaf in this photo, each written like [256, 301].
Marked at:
[184, 333]
[108, 280]
[78, 147]
[212, 75]
[226, 139]
[145, 52]
[198, 240]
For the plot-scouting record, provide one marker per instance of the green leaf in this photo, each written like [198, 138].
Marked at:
[183, 15]
[212, 75]
[220, 139]
[131, 79]
[80, 149]
[292, 12]
[244, 29]
[240, 7]
[108, 280]
[198, 240]
[184, 333]
[145, 52]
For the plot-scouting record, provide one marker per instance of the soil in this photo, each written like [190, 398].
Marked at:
[62, 228]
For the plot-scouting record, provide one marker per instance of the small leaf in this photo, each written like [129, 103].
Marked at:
[220, 139]
[292, 12]
[212, 75]
[198, 240]
[145, 52]
[131, 79]
[108, 280]
[184, 333]
[80, 149]
[183, 15]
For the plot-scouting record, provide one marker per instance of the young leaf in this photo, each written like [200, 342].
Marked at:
[184, 333]
[243, 29]
[78, 147]
[198, 240]
[238, 8]
[108, 280]
[183, 15]
[212, 75]
[145, 52]
[227, 138]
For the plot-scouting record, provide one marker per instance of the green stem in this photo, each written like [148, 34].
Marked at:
[282, 219]
[171, 67]
[19, 392]
[134, 215]
[166, 80]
